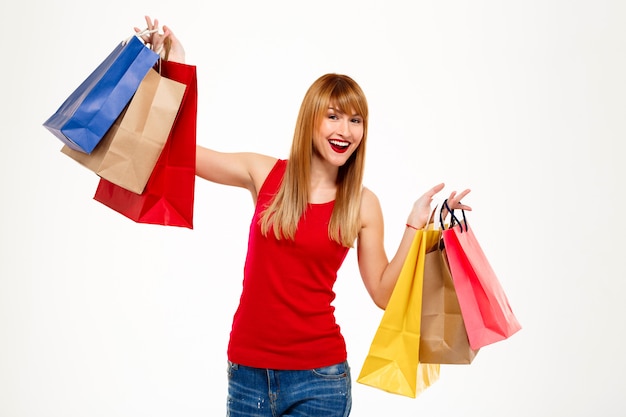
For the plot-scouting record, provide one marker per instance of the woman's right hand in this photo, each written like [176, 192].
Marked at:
[159, 42]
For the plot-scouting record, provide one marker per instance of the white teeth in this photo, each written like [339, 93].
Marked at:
[339, 143]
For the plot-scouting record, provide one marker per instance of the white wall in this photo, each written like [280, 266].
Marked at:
[522, 101]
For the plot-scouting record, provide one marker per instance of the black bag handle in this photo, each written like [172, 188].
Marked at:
[453, 217]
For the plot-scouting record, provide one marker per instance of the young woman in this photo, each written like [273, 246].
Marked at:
[286, 353]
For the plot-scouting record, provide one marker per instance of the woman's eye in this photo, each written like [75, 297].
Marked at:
[356, 121]
[332, 116]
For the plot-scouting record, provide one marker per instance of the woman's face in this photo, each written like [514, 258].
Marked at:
[338, 136]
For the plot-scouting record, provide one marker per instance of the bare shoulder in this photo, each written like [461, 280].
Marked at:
[370, 208]
[259, 166]
[368, 198]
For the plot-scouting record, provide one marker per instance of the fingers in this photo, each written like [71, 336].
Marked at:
[149, 22]
[167, 33]
[435, 189]
[454, 198]
[144, 38]
[150, 26]
[427, 198]
[154, 39]
[454, 201]
[463, 194]
[153, 27]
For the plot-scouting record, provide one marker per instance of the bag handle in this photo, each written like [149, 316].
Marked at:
[167, 44]
[139, 35]
[165, 48]
[454, 219]
[430, 224]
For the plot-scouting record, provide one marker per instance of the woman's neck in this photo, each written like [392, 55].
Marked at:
[323, 186]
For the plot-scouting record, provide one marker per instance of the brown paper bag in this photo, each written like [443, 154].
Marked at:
[444, 338]
[127, 154]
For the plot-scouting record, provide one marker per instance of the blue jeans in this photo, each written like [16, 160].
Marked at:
[254, 392]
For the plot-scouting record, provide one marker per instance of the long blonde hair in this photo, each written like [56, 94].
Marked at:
[292, 198]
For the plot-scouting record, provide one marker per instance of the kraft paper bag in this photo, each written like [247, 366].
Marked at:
[443, 339]
[127, 154]
[89, 112]
[484, 305]
[168, 198]
[393, 362]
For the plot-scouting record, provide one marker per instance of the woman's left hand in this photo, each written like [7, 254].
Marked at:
[421, 212]
[454, 203]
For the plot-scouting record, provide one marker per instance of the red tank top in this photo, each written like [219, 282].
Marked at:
[285, 319]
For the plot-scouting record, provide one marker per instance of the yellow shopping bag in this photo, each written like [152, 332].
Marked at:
[392, 363]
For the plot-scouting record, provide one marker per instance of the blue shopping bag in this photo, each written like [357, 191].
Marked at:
[88, 113]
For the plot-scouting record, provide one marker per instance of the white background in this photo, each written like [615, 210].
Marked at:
[521, 101]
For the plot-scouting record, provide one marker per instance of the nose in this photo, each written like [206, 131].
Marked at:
[344, 128]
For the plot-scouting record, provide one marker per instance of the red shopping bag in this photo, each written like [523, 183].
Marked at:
[169, 194]
[484, 306]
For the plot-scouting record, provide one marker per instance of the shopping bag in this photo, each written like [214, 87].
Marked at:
[169, 194]
[88, 113]
[127, 154]
[485, 308]
[443, 336]
[392, 363]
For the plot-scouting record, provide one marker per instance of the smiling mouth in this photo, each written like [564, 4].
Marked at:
[339, 146]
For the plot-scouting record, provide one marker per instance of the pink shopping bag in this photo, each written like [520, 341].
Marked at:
[485, 308]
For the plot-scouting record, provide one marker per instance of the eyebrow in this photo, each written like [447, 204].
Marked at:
[342, 112]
